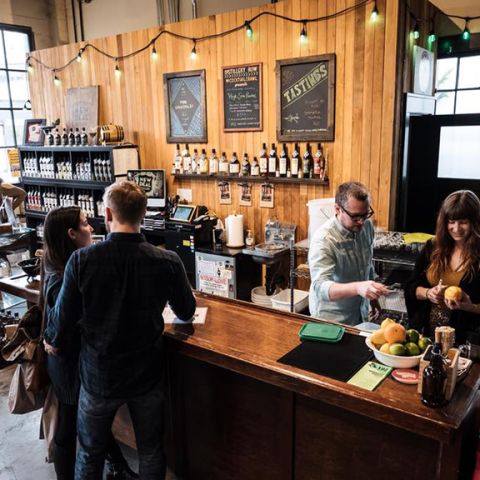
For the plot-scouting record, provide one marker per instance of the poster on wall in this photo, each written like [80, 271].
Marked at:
[224, 193]
[267, 192]
[82, 107]
[306, 98]
[242, 98]
[185, 107]
[245, 198]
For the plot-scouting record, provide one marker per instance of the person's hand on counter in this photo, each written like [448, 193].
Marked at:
[371, 290]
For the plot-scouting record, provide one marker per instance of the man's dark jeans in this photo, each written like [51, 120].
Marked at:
[95, 417]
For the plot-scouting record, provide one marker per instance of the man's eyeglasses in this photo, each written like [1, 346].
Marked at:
[358, 218]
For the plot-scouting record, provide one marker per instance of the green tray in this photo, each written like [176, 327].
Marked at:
[321, 332]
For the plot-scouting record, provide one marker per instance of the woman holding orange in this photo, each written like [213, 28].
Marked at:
[452, 258]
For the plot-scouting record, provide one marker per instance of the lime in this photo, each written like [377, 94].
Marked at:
[398, 349]
[413, 336]
[423, 343]
[412, 349]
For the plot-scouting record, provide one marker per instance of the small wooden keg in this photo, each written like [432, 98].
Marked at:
[111, 133]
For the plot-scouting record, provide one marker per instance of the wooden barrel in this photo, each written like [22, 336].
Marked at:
[111, 133]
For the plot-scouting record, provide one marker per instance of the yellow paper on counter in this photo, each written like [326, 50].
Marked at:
[370, 375]
[409, 238]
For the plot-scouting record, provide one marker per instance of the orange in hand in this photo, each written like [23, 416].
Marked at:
[395, 333]
[454, 294]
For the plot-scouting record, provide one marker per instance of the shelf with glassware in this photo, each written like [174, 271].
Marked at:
[251, 178]
[62, 176]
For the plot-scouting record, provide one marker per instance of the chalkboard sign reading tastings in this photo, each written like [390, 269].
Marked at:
[306, 103]
[242, 97]
[185, 107]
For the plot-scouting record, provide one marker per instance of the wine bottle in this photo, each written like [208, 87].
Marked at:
[245, 165]
[318, 161]
[203, 163]
[255, 168]
[187, 160]
[295, 163]
[272, 161]
[283, 162]
[234, 166]
[434, 379]
[307, 162]
[223, 165]
[263, 161]
[214, 162]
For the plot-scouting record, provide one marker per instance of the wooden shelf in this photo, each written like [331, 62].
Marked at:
[36, 214]
[239, 178]
[53, 182]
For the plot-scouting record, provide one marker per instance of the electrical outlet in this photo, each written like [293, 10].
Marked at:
[185, 194]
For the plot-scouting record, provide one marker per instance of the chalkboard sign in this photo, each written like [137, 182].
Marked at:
[306, 98]
[242, 98]
[185, 107]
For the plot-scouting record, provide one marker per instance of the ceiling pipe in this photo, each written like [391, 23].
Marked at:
[194, 9]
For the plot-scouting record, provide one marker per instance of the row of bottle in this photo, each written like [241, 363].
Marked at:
[71, 138]
[39, 201]
[269, 165]
[30, 165]
[102, 170]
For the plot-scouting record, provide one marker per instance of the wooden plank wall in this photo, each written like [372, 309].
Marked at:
[365, 96]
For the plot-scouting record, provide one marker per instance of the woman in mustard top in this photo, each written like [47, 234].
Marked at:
[451, 258]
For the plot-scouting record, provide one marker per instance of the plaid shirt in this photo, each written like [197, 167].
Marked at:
[115, 291]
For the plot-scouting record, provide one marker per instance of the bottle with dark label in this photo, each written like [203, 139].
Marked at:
[434, 379]
[214, 162]
[255, 168]
[318, 161]
[57, 138]
[263, 161]
[284, 164]
[307, 162]
[50, 138]
[84, 138]
[78, 137]
[245, 165]
[187, 160]
[272, 161]
[71, 138]
[223, 165]
[65, 138]
[295, 163]
[234, 166]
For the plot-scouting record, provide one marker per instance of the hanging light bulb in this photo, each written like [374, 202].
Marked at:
[154, 53]
[303, 33]
[29, 67]
[56, 81]
[431, 36]
[248, 30]
[374, 14]
[466, 30]
[79, 56]
[118, 72]
[416, 31]
[193, 53]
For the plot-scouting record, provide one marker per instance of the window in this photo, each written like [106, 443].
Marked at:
[458, 85]
[15, 43]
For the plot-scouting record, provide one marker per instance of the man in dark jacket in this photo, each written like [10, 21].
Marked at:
[115, 291]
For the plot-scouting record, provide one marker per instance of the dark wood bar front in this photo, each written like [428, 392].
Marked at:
[236, 413]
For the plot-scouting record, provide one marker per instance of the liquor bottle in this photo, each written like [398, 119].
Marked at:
[318, 161]
[203, 163]
[178, 168]
[57, 138]
[84, 138]
[434, 379]
[50, 138]
[255, 168]
[295, 163]
[213, 162]
[307, 162]
[324, 166]
[78, 137]
[187, 160]
[223, 165]
[245, 165]
[263, 161]
[283, 161]
[234, 166]
[195, 159]
[272, 161]
[65, 138]
[71, 138]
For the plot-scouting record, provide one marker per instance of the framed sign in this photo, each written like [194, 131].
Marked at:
[33, 134]
[82, 107]
[185, 107]
[242, 98]
[306, 98]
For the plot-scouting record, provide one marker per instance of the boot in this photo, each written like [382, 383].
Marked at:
[120, 471]
[64, 462]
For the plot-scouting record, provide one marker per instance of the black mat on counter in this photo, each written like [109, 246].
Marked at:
[335, 360]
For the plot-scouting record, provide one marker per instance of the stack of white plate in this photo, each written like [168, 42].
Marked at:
[260, 297]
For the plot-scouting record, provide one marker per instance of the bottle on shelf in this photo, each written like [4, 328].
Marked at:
[71, 138]
[65, 138]
[324, 166]
[263, 160]
[295, 162]
[203, 163]
[255, 168]
[272, 161]
[223, 165]
[178, 165]
[307, 162]
[318, 161]
[84, 138]
[213, 162]
[234, 166]
[78, 137]
[195, 161]
[50, 138]
[283, 162]
[245, 166]
[57, 138]
[187, 160]
[434, 379]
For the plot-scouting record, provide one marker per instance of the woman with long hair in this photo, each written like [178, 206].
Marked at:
[451, 258]
[65, 230]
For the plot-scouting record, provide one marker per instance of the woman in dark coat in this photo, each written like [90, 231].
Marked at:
[451, 258]
[65, 230]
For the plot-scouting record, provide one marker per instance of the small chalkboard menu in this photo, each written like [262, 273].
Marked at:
[242, 98]
[306, 98]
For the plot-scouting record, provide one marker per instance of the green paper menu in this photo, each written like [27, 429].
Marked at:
[370, 375]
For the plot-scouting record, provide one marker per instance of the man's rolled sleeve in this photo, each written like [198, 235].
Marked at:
[322, 268]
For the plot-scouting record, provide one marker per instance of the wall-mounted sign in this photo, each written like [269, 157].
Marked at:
[185, 107]
[242, 98]
[306, 98]
[82, 107]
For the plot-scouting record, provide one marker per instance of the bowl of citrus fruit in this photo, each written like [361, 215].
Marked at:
[397, 347]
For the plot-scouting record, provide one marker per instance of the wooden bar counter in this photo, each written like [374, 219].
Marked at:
[236, 413]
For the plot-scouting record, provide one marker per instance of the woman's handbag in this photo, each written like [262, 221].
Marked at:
[20, 400]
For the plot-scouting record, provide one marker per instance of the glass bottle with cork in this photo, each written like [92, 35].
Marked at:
[284, 164]
[213, 162]
[307, 162]
[245, 165]
[295, 162]
[187, 160]
[263, 161]
[234, 166]
[272, 161]
[223, 165]
[434, 379]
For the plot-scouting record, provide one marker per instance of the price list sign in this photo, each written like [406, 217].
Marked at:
[242, 98]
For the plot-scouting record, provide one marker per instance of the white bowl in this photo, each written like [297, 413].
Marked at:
[394, 361]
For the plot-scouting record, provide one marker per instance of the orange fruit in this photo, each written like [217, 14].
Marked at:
[395, 333]
[454, 294]
[387, 321]
[377, 338]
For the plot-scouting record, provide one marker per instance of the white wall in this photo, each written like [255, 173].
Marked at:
[212, 7]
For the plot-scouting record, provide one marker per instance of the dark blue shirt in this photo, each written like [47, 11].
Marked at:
[115, 291]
